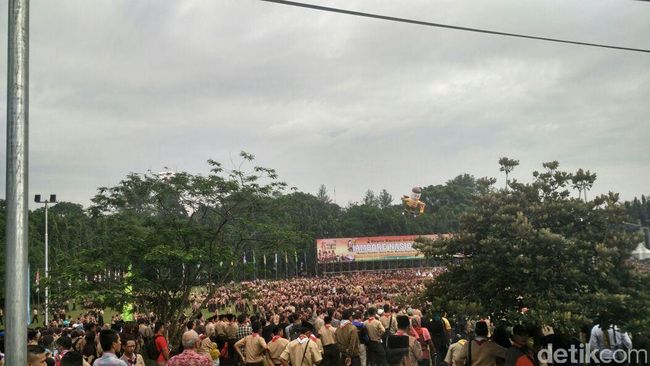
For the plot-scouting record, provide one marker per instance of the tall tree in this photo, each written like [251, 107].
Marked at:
[583, 181]
[169, 234]
[322, 194]
[385, 199]
[370, 199]
[507, 166]
[537, 247]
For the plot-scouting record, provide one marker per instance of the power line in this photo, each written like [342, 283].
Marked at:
[455, 27]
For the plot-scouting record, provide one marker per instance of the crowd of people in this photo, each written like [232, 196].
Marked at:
[354, 319]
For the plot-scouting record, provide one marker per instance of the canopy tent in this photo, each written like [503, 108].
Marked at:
[641, 252]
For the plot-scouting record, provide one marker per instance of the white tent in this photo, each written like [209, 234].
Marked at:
[641, 252]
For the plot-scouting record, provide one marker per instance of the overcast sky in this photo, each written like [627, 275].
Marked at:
[352, 103]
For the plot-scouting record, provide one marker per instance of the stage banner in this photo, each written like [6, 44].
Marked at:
[376, 248]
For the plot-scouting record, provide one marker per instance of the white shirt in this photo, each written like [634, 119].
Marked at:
[617, 340]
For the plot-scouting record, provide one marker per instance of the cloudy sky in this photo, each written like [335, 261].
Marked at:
[123, 86]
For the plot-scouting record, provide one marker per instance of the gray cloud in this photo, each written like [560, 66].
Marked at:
[120, 86]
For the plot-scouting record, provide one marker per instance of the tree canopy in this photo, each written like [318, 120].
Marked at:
[533, 246]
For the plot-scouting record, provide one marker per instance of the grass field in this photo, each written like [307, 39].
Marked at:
[108, 315]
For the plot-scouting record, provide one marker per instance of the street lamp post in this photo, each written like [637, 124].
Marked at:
[37, 199]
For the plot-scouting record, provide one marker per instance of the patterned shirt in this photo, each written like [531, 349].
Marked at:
[243, 331]
[189, 357]
[109, 359]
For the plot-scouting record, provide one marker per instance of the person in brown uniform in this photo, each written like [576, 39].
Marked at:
[347, 340]
[388, 320]
[376, 352]
[276, 346]
[327, 335]
[254, 347]
[231, 335]
[412, 351]
[480, 351]
[302, 351]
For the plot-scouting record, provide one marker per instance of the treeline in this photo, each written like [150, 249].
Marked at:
[152, 238]
[162, 235]
[639, 210]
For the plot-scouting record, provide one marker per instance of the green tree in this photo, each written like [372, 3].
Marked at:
[323, 195]
[534, 246]
[447, 203]
[370, 199]
[583, 181]
[385, 199]
[162, 236]
[507, 166]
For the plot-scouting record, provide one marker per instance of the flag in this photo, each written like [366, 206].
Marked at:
[244, 258]
[254, 260]
[128, 309]
[38, 280]
[221, 264]
[295, 256]
[286, 257]
[276, 258]
[265, 260]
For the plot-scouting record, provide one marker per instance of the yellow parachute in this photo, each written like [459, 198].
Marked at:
[412, 203]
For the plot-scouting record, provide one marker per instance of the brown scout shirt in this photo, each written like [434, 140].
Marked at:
[276, 347]
[415, 351]
[375, 329]
[347, 340]
[254, 347]
[327, 335]
[302, 352]
[385, 319]
[231, 330]
[220, 328]
[484, 353]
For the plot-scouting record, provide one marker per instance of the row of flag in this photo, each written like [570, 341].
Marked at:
[275, 261]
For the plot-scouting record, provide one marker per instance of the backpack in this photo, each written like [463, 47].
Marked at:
[224, 351]
[364, 338]
[397, 347]
[150, 349]
[214, 352]
[423, 344]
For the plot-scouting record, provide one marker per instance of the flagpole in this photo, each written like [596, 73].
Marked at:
[254, 266]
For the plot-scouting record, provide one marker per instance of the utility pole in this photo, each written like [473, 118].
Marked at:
[16, 296]
[37, 199]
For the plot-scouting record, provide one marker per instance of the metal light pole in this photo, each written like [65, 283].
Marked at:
[16, 299]
[37, 199]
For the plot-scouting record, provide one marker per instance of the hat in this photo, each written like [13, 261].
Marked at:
[380, 312]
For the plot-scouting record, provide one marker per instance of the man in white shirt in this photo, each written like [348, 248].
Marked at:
[607, 343]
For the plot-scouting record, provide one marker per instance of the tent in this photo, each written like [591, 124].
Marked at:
[641, 252]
